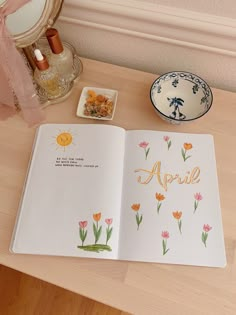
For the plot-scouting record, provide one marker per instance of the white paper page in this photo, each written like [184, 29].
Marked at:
[75, 181]
[184, 226]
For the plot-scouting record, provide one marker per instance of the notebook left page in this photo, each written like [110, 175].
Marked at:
[72, 196]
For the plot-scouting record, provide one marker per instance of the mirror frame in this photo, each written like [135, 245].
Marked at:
[50, 13]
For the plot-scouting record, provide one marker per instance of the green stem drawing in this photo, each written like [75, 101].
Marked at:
[204, 238]
[158, 207]
[195, 205]
[83, 235]
[146, 152]
[180, 226]
[108, 233]
[184, 154]
[168, 144]
[139, 219]
[164, 247]
[97, 231]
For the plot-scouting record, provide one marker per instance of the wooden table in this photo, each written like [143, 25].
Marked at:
[138, 288]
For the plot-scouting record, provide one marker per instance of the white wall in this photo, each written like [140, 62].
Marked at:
[226, 8]
[156, 38]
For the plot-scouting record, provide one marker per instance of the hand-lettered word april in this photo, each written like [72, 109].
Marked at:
[190, 177]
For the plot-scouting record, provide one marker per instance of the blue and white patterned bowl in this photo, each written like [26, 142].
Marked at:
[180, 96]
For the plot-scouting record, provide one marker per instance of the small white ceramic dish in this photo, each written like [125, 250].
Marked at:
[111, 95]
[180, 96]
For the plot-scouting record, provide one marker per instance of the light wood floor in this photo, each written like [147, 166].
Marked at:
[21, 294]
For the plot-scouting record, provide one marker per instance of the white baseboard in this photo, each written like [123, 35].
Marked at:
[158, 23]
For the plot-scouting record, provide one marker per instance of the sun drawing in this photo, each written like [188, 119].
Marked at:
[64, 139]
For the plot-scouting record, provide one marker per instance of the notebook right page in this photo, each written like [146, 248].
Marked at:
[171, 206]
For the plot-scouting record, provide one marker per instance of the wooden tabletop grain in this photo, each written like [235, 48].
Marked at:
[138, 288]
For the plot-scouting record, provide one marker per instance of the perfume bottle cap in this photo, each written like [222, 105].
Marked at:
[54, 40]
[40, 60]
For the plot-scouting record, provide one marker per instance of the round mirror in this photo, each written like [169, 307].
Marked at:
[27, 24]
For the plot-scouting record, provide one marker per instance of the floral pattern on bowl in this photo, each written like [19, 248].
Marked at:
[180, 96]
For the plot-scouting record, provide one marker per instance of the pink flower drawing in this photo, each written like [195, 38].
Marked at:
[83, 224]
[206, 229]
[144, 145]
[108, 229]
[82, 231]
[168, 141]
[108, 221]
[198, 197]
[165, 235]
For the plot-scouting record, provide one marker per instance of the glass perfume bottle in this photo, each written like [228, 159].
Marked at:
[46, 76]
[61, 56]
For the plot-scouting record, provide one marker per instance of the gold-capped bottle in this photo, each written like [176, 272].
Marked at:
[61, 56]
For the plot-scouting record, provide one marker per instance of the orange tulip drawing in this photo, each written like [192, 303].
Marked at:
[97, 216]
[97, 230]
[177, 215]
[159, 198]
[139, 217]
[186, 147]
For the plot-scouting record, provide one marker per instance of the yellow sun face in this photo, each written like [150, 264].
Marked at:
[64, 139]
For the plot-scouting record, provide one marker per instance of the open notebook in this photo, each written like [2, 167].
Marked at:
[100, 191]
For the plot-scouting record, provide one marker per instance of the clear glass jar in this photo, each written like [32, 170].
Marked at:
[49, 81]
[46, 76]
